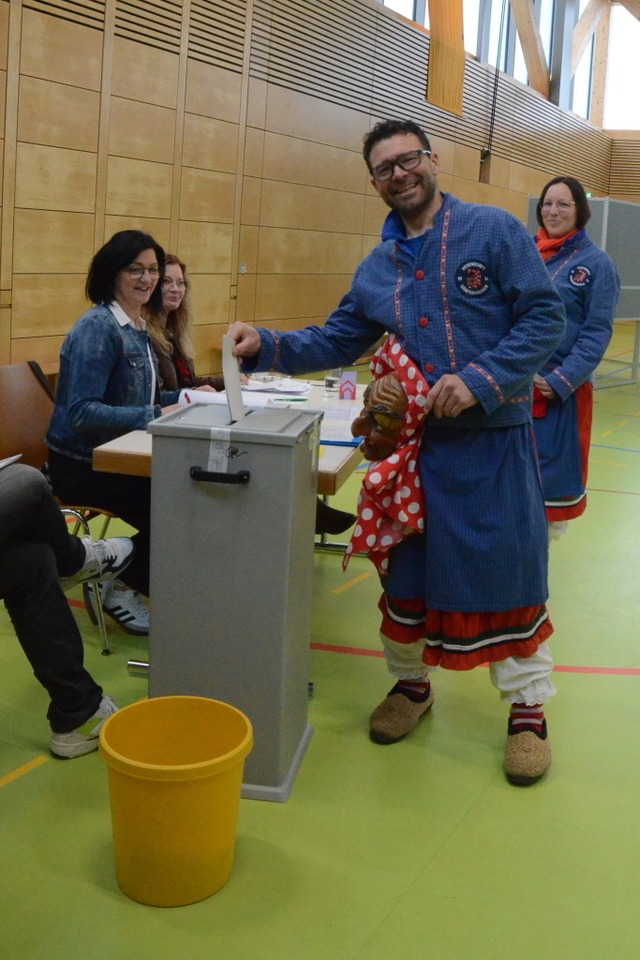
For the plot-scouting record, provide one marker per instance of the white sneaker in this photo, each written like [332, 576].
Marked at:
[83, 739]
[123, 605]
[104, 559]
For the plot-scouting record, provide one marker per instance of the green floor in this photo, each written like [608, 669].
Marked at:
[420, 850]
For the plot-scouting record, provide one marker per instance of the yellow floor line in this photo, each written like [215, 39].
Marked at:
[351, 583]
[20, 772]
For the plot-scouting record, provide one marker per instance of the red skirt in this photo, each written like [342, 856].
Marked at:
[461, 641]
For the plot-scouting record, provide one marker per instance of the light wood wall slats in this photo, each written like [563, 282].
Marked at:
[90, 13]
[152, 23]
[217, 32]
[625, 167]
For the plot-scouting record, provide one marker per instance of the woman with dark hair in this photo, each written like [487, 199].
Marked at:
[108, 384]
[589, 285]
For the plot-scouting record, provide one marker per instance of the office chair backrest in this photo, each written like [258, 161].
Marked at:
[27, 405]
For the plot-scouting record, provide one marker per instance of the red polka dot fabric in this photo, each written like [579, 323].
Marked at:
[391, 502]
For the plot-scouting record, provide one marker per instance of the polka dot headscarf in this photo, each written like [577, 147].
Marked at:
[391, 502]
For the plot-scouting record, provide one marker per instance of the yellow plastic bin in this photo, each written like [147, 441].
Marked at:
[175, 775]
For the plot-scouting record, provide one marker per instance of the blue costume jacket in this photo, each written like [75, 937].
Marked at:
[589, 284]
[476, 300]
[104, 385]
[471, 297]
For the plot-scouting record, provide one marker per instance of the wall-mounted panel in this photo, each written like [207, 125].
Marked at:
[142, 131]
[303, 251]
[47, 304]
[213, 92]
[207, 195]
[50, 178]
[285, 296]
[138, 187]
[61, 50]
[333, 211]
[52, 241]
[210, 144]
[57, 114]
[206, 247]
[144, 73]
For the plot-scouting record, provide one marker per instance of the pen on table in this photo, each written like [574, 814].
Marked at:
[289, 399]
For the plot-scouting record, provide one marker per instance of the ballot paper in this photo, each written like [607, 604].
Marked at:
[231, 375]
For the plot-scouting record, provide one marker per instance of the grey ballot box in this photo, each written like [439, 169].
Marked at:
[232, 540]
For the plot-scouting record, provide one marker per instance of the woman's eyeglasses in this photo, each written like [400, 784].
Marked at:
[138, 271]
[562, 205]
[168, 282]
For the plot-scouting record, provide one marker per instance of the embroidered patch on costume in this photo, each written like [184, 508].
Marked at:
[580, 276]
[473, 278]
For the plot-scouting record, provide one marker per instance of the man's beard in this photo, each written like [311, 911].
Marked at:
[416, 204]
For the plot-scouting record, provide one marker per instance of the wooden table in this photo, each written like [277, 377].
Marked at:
[131, 454]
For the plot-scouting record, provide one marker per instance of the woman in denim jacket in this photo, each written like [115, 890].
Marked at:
[108, 385]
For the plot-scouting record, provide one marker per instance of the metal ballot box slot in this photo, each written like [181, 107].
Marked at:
[232, 540]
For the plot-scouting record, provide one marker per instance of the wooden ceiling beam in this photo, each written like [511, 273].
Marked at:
[585, 29]
[445, 80]
[532, 48]
[599, 76]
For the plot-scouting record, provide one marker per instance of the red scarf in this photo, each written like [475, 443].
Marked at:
[391, 501]
[549, 246]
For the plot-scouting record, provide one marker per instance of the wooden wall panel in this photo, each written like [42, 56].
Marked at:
[213, 92]
[52, 241]
[50, 178]
[210, 144]
[210, 299]
[207, 195]
[144, 73]
[142, 131]
[138, 187]
[282, 296]
[205, 247]
[58, 50]
[57, 114]
[46, 304]
[304, 251]
[290, 204]
[160, 230]
[294, 160]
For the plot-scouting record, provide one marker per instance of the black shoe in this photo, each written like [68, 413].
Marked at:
[330, 520]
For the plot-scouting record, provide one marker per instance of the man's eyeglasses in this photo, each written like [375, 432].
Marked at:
[406, 161]
[562, 205]
[168, 282]
[138, 271]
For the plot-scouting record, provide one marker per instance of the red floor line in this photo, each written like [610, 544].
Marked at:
[559, 668]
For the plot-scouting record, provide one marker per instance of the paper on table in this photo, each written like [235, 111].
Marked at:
[231, 375]
[278, 385]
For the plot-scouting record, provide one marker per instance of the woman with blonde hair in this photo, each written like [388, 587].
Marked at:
[170, 325]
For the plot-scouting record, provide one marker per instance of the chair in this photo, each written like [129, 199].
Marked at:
[25, 391]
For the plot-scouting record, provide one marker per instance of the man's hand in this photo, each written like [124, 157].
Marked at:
[449, 396]
[247, 339]
[544, 388]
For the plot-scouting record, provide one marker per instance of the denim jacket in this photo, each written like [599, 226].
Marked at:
[104, 385]
[475, 300]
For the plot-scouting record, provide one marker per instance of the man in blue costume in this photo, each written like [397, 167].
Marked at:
[470, 302]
